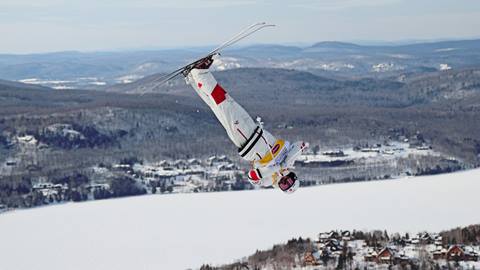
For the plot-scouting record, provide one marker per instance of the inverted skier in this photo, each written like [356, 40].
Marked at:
[272, 159]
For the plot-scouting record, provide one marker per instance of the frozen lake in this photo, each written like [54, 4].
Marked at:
[186, 230]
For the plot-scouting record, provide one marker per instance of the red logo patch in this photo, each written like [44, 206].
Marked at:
[218, 94]
[275, 148]
[200, 85]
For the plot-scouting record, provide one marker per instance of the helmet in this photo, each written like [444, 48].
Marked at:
[289, 183]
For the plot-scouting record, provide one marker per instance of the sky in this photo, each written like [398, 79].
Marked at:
[28, 26]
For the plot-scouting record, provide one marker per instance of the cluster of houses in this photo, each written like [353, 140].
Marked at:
[49, 189]
[176, 176]
[402, 251]
[185, 175]
[348, 156]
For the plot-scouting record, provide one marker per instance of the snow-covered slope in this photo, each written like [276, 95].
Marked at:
[186, 230]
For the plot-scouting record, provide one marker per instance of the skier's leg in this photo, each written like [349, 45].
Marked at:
[233, 117]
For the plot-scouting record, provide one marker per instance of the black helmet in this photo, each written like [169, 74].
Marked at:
[289, 183]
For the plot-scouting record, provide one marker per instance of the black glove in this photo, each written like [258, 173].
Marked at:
[204, 63]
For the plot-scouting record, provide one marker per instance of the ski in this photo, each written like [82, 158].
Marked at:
[236, 38]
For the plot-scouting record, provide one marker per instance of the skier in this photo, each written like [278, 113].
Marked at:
[272, 159]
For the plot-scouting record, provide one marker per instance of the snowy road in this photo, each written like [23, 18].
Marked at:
[187, 230]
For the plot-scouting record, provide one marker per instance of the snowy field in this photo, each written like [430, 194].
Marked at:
[186, 230]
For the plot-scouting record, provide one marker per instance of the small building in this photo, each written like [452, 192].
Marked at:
[216, 160]
[346, 236]
[425, 238]
[325, 236]
[194, 161]
[39, 186]
[455, 253]
[333, 245]
[11, 163]
[386, 255]
[122, 167]
[164, 163]
[180, 164]
[439, 254]
[310, 260]
[371, 256]
[402, 259]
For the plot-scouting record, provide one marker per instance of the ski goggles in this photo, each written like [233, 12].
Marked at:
[287, 181]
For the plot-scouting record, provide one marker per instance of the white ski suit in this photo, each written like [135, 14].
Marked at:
[254, 144]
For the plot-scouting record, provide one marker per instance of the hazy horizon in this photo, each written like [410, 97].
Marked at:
[201, 47]
[52, 25]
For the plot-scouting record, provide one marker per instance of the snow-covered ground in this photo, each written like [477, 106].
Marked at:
[186, 230]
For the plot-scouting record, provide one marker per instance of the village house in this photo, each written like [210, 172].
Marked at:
[325, 236]
[218, 160]
[310, 259]
[371, 256]
[457, 253]
[164, 163]
[194, 161]
[123, 168]
[346, 236]
[180, 164]
[426, 239]
[97, 186]
[227, 167]
[386, 255]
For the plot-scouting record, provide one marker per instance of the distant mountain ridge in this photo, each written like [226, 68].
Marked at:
[93, 70]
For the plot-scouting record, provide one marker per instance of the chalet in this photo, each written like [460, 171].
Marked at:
[213, 160]
[386, 255]
[164, 163]
[216, 160]
[346, 236]
[402, 259]
[415, 241]
[180, 164]
[425, 238]
[333, 245]
[470, 254]
[42, 186]
[439, 254]
[324, 237]
[455, 253]
[227, 167]
[310, 260]
[371, 256]
[194, 161]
